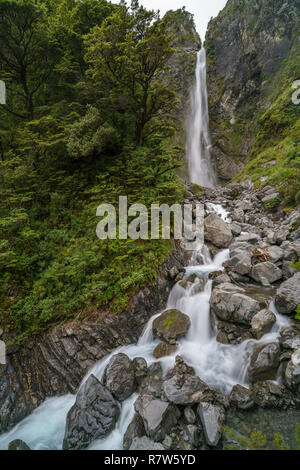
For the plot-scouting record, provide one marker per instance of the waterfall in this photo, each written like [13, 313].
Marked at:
[198, 136]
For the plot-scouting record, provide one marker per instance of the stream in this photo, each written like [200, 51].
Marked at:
[220, 366]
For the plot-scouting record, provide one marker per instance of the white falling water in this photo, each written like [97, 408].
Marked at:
[219, 365]
[198, 136]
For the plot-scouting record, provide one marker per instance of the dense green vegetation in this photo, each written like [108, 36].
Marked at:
[86, 120]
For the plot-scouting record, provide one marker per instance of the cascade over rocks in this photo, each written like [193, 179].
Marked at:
[92, 417]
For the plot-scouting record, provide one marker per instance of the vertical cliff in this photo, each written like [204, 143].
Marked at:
[253, 59]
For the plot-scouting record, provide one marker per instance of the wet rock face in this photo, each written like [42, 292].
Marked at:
[93, 415]
[171, 325]
[288, 295]
[230, 303]
[217, 231]
[264, 362]
[119, 377]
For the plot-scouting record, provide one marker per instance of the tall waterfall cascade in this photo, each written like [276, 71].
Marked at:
[198, 137]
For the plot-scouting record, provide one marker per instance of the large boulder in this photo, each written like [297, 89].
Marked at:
[93, 415]
[264, 362]
[217, 231]
[230, 303]
[212, 418]
[240, 263]
[240, 397]
[119, 376]
[266, 273]
[158, 416]
[287, 297]
[262, 323]
[170, 325]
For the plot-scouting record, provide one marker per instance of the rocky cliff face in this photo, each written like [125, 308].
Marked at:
[247, 45]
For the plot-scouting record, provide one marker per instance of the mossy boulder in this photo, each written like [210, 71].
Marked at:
[170, 325]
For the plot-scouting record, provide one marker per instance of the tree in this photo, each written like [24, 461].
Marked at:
[27, 56]
[127, 56]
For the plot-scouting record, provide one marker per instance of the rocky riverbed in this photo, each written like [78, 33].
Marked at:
[166, 399]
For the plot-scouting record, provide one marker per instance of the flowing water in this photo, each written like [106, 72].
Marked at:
[198, 136]
[221, 366]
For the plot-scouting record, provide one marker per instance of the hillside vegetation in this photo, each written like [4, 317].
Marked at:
[89, 117]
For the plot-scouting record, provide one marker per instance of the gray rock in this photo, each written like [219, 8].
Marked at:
[252, 238]
[262, 323]
[240, 263]
[290, 338]
[135, 429]
[170, 326]
[144, 443]
[270, 395]
[184, 391]
[241, 398]
[18, 445]
[119, 376]
[287, 297]
[212, 419]
[266, 273]
[238, 215]
[140, 369]
[189, 415]
[217, 231]
[235, 229]
[275, 252]
[93, 415]
[281, 235]
[264, 362]
[191, 434]
[158, 416]
[230, 303]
